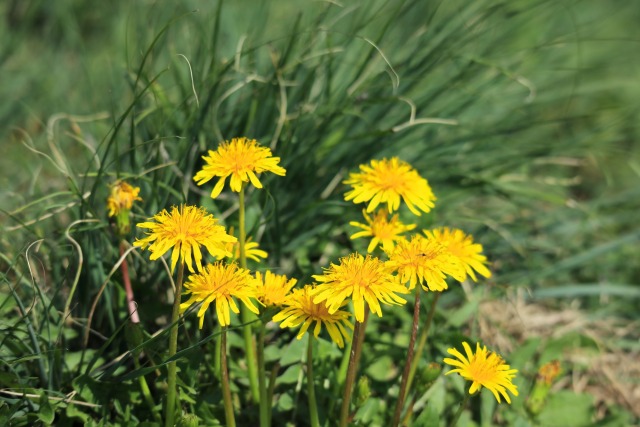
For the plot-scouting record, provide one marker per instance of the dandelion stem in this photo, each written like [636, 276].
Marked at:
[272, 386]
[361, 337]
[342, 374]
[131, 304]
[354, 358]
[407, 416]
[218, 352]
[456, 417]
[146, 393]
[226, 389]
[242, 229]
[311, 391]
[262, 383]
[173, 346]
[249, 343]
[423, 340]
[407, 366]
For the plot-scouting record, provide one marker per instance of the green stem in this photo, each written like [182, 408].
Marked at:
[249, 343]
[354, 357]
[226, 389]
[146, 393]
[361, 337]
[340, 377]
[272, 386]
[242, 229]
[423, 340]
[218, 352]
[262, 382]
[311, 391]
[407, 366]
[406, 420]
[456, 417]
[172, 392]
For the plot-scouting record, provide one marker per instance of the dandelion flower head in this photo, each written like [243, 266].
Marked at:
[300, 309]
[461, 246]
[484, 369]
[425, 261]
[220, 283]
[183, 230]
[364, 279]
[251, 249]
[273, 289]
[382, 230]
[121, 197]
[241, 159]
[387, 181]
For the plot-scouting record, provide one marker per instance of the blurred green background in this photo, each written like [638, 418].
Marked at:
[544, 152]
[523, 115]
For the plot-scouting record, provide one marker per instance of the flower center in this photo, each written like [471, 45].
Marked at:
[389, 180]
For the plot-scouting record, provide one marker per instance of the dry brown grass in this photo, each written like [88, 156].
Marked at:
[611, 375]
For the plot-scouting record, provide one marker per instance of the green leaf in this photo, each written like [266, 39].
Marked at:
[463, 314]
[272, 353]
[285, 402]
[9, 379]
[556, 348]
[367, 412]
[557, 412]
[290, 376]
[294, 351]
[72, 359]
[589, 289]
[525, 353]
[487, 407]
[326, 349]
[428, 417]
[436, 396]
[74, 411]
[45, 412]
[382, 369]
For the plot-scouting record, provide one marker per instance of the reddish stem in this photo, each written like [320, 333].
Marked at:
[131, 304]
[407, 366]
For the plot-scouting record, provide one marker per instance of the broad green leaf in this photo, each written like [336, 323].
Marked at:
[294, 351]
[462, 315]
[382, 369]
[290, 375]
[557, 413]
[45, 411]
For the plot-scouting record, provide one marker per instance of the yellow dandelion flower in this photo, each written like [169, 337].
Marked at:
[381, 229]
[425, 261]
[386, 181]
[221, 283]
[273, 289]
[241, 159]
[462, 247]
[484, 369]
[251, 249]
[184, 230]
[364, 280]
[121, 197]
[300, 309]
